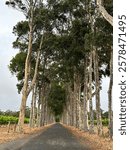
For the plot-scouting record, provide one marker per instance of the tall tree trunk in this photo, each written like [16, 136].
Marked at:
[69, 105]
[110, 97]
[33, 108]
[71, 99]
[26, 78]
[91, 127]
[97, 89]
[42, 116]
[77, 98]
[85, 102]
[72, 108]
[26, 88]
[79, 106]
[39, 107]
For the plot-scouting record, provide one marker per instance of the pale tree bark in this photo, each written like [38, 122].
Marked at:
[42, 114]
[46, 113]
[85, 102]
[47, 110]
[75, 104]
[77, 98]
[26, 75]
[104, 13]
[68, 105]
[91, 126]
[67, 110]
[110, 117]
[26, 88]
[74, 109]
[38, 113]
[71, 107]
[80, 107]
[39, 107]
[82, 115]
[97, 89]
[33, 108]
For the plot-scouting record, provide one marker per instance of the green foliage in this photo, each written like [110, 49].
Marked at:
[105, 122]
[105, 115]
[11, 119]
[17, 65]
[21, 28]
[56, 100]
[15, 114]
[68, 36]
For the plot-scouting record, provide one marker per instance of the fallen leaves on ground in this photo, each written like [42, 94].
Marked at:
[93, 141]
[6, 137]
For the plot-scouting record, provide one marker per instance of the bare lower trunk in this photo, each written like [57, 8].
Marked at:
[33, 108]
[77, 98]
[38, 114]
[72, 108]
[110, 97]
[43, 106]
[39, 108]
[42, 112]
[97, 89]
[91, 127]
[22, 114]
[71, 99]
[85, 102]
[25, 86]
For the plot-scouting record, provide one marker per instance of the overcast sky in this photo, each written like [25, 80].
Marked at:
[9, 98]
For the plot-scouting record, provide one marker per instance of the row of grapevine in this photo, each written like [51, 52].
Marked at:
[11, 119]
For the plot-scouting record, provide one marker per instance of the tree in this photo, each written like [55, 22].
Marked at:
[66, 71]
[104, 13]
[56, 99]
[28, 8]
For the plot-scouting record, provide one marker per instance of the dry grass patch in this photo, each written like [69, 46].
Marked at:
[93, 141]
[6, 137]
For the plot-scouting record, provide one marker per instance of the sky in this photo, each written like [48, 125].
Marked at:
[9, 97]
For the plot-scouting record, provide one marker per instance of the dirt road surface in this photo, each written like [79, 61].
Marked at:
[56, 137]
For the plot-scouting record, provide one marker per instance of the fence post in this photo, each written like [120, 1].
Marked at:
[15, 126]
[8, 126]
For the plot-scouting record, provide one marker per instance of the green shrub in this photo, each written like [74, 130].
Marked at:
[104, 122]
[11, 119]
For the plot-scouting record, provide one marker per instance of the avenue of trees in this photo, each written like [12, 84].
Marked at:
[65, 49]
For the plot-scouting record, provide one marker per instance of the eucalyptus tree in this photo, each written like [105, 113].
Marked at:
[99, 52]
[104, 41]
[71, 58]
[30, 9]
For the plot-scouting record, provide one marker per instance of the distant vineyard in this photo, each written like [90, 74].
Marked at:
[104, 122]
[11, 119]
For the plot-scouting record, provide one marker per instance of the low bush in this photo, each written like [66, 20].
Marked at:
[104, 122]
[11, 119]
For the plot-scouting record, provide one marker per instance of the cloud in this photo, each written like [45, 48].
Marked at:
[9, 98]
